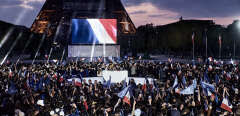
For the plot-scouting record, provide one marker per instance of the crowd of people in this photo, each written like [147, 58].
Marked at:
[187, 89]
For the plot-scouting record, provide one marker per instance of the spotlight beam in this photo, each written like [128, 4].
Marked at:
[55, 37]
[17, 21]
[104, 50]
[39, 46]
[25, 47]
[92, 52]
[49, 55]
[10, 50]
[62, 55]
[6, 37]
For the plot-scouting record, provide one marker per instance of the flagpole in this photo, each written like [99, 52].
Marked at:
[219, 51]
[206, 43]
[206, 46]
[234, 48]
[193, 52]
[193, 45]
[220, 45]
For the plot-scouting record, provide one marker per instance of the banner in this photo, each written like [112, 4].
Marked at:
[116, 76]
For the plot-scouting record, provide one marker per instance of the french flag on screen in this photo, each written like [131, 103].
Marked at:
[94, 31]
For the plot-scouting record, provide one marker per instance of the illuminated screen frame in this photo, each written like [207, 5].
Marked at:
[97, 31]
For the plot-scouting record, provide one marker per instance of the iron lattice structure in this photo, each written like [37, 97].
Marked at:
[54, 19]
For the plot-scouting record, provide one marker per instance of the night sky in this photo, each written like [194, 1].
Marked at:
[158, 12]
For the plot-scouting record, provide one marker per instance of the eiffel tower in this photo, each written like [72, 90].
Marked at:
[55, 17]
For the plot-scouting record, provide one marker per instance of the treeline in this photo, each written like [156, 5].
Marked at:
[176, 38]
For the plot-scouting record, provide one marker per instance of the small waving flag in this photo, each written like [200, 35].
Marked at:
[126, 94]
[216, 98]
[177, 90]
[193, 35]
[217, 80]
[55, 76]
[205, 106]
[109, 83]
[210, 59]
[85, 105]
[40, 83]
[210, 94]
[206, 79]
[46, 56]
[146, 82]
[77, 82]
[226, 105]
[194, 84]
[122, 93]
[154, 84]
[61, 79]
[220, 41]
[126, 98]
[12, 89]
[10, 74]
[189, 90]
[184, 81]
[228, 76]
[124, 83]
[175, 82]
[209, 86]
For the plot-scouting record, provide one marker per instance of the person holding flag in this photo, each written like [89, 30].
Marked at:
[184, 82]
[145, 85]
[126, 94]
[189, 90]
[226, 105]
[109, 83]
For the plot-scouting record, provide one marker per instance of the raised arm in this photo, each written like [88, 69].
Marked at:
[199, 96]
[133, 109]
[119, 101]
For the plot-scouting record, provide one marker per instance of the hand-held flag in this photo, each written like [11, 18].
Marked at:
[226, 105]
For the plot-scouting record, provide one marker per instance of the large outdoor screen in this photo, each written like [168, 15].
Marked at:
[94, 31]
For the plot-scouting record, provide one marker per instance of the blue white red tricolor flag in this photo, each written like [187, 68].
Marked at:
[193, 35]
[94, 31]
[207, 85]
[126, 98]
[220, 40]
[226, 105]
[122, 93]
[61, 79]
[109, 82]
[125, 94]
[175, 82]
[184, 82]
[217, 80]
[209, 93]
[145, 84]
[228, 76]
[75, 81]
[190, 89]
